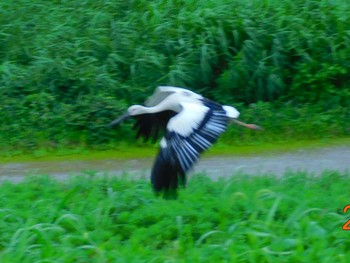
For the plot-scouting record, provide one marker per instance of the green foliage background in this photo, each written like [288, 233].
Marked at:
[69, 67]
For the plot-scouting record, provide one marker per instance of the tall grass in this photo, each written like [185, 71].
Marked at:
[68, 67]
[295, 218]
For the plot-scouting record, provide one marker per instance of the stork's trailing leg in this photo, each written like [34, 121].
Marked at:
[248, 125]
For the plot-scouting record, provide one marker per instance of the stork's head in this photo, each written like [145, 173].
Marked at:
[135, 110]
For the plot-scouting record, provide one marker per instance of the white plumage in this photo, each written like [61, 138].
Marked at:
[190, 124]
[188, 119]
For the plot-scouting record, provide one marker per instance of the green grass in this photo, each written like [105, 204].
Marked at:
[125, 151]
[295, 218]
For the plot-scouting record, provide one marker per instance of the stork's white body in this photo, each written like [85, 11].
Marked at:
[189, 106]
[191, 125]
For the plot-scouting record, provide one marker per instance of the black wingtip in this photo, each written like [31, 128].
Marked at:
[166, 177]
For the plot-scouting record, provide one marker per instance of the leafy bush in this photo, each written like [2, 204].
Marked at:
[68, 66]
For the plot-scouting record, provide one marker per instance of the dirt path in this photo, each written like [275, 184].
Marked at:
[314, 161]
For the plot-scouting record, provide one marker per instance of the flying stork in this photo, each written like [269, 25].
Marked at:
[190, 124]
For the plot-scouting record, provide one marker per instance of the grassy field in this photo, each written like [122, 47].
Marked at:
[296, 218]
[141, 150]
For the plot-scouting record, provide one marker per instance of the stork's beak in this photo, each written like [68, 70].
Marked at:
[119, 120]
[247, 125]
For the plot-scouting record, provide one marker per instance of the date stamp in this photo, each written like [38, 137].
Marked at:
[346, 226]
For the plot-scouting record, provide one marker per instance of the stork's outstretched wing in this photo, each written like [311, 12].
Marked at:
[188, 134]
[163, 92]
[152, 125]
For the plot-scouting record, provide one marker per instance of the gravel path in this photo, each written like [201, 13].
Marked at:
[313, 161]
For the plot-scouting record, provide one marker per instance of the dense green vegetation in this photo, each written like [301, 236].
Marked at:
[68, 67]
[242, 219]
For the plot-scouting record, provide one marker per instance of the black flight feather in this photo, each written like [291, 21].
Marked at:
[167, 174]
[152, 125]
